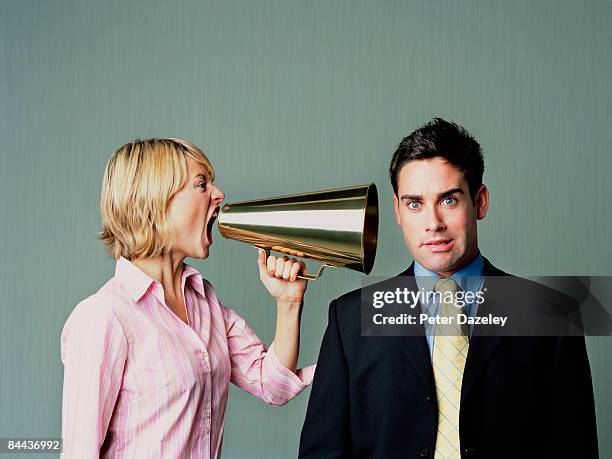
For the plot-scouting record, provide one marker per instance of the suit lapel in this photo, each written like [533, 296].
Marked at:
[482, 347]
[418, 354]
[415, 347]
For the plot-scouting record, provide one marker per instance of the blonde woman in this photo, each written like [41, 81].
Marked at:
[149, 357]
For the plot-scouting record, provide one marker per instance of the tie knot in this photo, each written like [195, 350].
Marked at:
[446, 284]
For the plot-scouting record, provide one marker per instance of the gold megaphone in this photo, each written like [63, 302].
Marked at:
[338, 228]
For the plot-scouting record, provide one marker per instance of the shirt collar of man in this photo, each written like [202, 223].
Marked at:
[137, 282]
[468, 278]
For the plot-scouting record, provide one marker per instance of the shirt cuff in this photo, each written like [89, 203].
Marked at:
[282, 384]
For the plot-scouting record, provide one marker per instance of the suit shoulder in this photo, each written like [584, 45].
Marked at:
[534, 289]
[350, 302]
[525, 285]
[348, 298]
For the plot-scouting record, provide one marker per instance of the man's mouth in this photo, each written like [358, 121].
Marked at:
[439, 245]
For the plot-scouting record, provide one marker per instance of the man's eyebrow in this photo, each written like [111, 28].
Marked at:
[418, 197]
[449, 192]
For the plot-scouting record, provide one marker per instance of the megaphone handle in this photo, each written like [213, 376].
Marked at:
[313, 276]
[303, 275]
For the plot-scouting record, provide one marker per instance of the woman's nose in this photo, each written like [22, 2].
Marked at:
[218, 195]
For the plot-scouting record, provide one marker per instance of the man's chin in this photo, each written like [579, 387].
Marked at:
[439, 263]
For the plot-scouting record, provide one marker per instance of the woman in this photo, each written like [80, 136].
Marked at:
[149, 357]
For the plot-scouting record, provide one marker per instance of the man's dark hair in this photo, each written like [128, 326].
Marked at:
[444, 139]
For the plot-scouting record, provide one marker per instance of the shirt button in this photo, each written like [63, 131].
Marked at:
[204, 355]
[207, 430]
[208, 414]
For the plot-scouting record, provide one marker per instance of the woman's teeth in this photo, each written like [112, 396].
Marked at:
[213, 217]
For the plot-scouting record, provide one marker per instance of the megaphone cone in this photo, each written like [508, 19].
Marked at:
[338, 228]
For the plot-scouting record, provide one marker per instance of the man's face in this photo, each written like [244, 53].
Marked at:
[437, 215]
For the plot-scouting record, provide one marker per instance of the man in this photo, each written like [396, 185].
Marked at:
[409, 396]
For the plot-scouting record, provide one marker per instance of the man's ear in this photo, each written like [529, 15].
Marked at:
[396, 210]
[482, 202]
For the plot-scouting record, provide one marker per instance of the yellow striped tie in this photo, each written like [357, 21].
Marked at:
[449, 355]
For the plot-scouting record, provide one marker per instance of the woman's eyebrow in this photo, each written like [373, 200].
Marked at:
[201, 175]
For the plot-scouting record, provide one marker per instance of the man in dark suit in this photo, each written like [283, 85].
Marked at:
[492, 396]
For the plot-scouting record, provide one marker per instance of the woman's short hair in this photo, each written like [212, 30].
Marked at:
[139, 180]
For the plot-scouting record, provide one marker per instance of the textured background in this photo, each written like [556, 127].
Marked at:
[285, 97]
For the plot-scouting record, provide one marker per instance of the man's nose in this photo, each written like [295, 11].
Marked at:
[434, 220]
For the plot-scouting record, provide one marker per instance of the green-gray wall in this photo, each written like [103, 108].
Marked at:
[289, 96]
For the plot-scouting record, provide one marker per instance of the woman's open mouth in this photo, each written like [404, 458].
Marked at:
[209, 225]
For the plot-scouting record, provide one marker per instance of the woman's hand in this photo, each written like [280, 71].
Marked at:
[279, 276]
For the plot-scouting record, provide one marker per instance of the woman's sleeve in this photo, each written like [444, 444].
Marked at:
[93, 351]
[256, 368]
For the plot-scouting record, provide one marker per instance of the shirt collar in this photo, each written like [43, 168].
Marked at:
[137, 282]
[467, 277]
[195, 278]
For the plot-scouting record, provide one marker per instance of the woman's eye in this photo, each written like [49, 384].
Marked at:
[450, 201]
[202, 185]
[413, 205]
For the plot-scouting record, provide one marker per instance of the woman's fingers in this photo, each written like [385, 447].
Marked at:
[295, 270]
[261, 259]
[287, 269]
[280, 266]
[271, 264]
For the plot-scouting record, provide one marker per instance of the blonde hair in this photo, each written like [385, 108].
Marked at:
[139, 180]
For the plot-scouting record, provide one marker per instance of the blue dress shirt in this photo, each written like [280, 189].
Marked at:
[469, 278]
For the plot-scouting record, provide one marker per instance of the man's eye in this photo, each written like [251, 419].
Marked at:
[413, 205]
[450, 201]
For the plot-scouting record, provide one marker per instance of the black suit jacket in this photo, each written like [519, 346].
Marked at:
[521, 397]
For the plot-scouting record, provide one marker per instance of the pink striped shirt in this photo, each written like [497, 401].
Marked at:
[140, 382]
